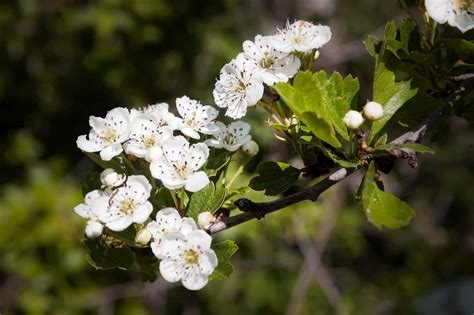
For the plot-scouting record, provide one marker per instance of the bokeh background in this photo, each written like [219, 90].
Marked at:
[63, 60]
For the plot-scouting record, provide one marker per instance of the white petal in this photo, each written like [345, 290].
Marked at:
[194, 281]
[439, 10]
[464, 21]
[196, 181]
[142, 212]
[120, 224]
[171, 270]
[111, 151]
[156, 249]
[140, 184]
[87, 145]
[173, 244]
[172, 182]
[207, 262]
[213, 143]
[199, 240]
[189, 132]
[188, 225]
[83, 210]
[168, 220]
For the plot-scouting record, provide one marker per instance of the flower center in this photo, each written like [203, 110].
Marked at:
[181, 170]
[266, 62]
[149, 142]
[240, 87]
[126, 206]
[191, 257]
[229, 139]
[461, 5]
[108, 135]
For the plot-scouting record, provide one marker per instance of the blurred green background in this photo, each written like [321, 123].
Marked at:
[63, 60]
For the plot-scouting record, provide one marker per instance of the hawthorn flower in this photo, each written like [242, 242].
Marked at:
[196, 117]
[107, 134]
[273, 65]
[86, 210]
[188, 259]
[239, 86]
[301, 36]
[127, 204]
[110, 178]
[146, 134]
[230, 137]
[179, 165]
[458, 13]
[161, 114]
[168, 221]
[373, 111]
[353, 119]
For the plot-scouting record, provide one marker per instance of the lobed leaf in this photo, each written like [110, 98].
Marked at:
[274, 177]
[224, 251]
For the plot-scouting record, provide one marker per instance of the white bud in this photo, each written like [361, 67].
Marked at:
[206, 219]
[110, 178]
[373, 111]
[316, 55]
[353, 119]
[153, 153]
[143, 237]
[94, 229]
[250, 148]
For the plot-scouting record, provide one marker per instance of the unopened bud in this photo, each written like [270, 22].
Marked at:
[316, 55]
[353, 119]
[250, 148]
[143, 237]
[206, 219]
[373, 111]
[94, 229]
[110, 178]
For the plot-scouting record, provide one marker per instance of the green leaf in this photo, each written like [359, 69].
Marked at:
[216, 163]
[337, 159]
[372, 44]
[399, 40]
[162, 199]
[320, 102]
[207, 199]
[415, 147]
[127, 235]
[464, 48]
[183, 198]
[390, 94]
[274, 177]
[101, 256]
[91, 182]
[224, 251]
[382, 208]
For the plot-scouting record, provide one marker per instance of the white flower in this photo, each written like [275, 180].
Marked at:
[458, 13]
[107, 134]
[146, 134]
[127, 204]
[230, 137]
[373, 111]
[250, 148]
[180, 163]
[301, 36]
[196, 117]
[110, 178]
[188, 259]
[160, 113]
[94, 229]
[239, 86]
[206, 219]
[143, 237]
[273, 65]
[353, 119]
[168, 221]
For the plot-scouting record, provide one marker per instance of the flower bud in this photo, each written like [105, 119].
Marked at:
[143, 237]
[94, 229]
[206, 219]
[373, 111]
[110, 178]
[250, 148]
[353, 119]
[316, 55]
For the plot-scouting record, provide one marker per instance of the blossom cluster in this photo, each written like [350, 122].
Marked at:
[266, 60]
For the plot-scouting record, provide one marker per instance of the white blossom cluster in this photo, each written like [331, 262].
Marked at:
[266, 60]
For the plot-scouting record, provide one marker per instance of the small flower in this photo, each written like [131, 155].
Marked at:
[458, 13]
[127, 204]
[143, 237]
[180, 163]
[373, 111]
[107, 134]
[301, 36]
[239, 86]
[230, 137]
[168, 221]
[353, 119]
[206, 219]
[145, 135]
[110, 178]
[94, 229]
[273, 65]
[250, 148]
[188, 259]
[196, 117]
[160, 113]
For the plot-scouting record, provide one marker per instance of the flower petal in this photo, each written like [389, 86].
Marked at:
[171, 270]
[196, 181]
[120, 224]
[87, 145]
[111, 151]
[207, 262]
[142, 212]
[199, 240]
[194, 281]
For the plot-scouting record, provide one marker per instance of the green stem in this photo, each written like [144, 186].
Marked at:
[175, 200]
[433, 32]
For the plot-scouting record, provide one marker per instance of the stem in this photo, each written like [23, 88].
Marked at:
[175, 200]
[237, 173]
[433, 32]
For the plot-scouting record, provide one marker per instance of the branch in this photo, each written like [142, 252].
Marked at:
[258, 210]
